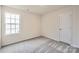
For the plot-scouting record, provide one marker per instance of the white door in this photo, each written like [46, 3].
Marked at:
[65, 27]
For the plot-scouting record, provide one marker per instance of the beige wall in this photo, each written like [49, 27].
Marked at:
[50, 24]
[29, 26]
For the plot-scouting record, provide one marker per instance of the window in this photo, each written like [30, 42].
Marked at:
[11, 23]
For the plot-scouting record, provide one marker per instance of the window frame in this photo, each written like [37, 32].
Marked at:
[16, 23]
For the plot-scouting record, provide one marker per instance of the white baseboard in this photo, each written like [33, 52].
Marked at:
[74, 45]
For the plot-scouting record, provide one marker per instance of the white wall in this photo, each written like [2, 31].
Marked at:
[75, 40]
[0, 25]
[50, 24]
[29, 26]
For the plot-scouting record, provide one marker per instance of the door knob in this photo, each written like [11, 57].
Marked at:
[60, 29]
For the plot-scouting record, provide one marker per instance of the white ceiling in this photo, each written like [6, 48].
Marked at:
[38, 9]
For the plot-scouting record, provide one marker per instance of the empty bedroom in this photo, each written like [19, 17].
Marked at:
[39, 29]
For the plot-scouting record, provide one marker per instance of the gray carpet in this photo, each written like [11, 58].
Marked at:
[56, 47]
[39, 45]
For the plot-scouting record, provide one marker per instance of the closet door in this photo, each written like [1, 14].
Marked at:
[65, 27]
